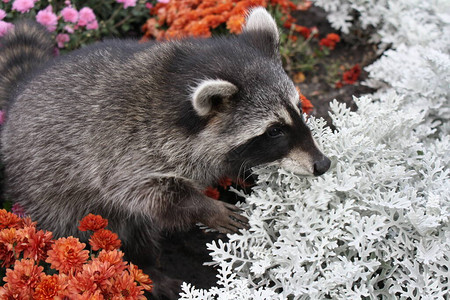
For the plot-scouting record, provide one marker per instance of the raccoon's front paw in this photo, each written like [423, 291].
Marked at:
[226, 218]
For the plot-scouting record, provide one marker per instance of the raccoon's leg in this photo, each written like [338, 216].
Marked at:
[174, 203]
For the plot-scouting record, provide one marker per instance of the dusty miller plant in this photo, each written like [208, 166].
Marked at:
[377, 225]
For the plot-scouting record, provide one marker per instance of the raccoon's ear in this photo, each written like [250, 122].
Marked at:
[262, 31]
[210, 94]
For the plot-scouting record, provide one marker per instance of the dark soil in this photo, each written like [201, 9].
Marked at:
[183, 254]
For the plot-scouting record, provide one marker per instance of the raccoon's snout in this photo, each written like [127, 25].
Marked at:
[321, 166]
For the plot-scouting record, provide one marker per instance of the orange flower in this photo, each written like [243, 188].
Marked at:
[67, 255]
[26, 275]
[8, 220]
[212, 192]
[9, 293]
[104, 239]
[94, 276]
[235, 23]
[140, 277]
[51, 287]
[93, 223]
[34, 244]
[115, 258]
[8, 240]
[125, 287]
[307, 106]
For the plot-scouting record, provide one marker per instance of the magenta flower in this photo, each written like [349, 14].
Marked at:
[69, 14]
[23, 6]
[61, 39]
[18, 210]
[127, 3]
[47, 18]
[2, 14]
[4, 27]
[86, 16]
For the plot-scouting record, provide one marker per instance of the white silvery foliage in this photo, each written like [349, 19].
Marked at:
[377, 224]
[411, 22]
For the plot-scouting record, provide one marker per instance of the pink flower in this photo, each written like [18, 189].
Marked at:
[61, 39]
[69, 14]
[127, 3]
[23, 5]
[4, 27]
[148, 5]
[47, 18]
[86, 16]
[2, 14]
[69, 29]
[92, 25]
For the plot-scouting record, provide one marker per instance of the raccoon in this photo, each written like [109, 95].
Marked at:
[134, 132]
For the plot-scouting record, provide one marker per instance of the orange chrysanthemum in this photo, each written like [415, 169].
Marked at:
[235, 23]
[26, 275]
[115, 258]
[8, 240]
[93, 223]
[104, 239]
[34, 244]
[141, 277]
[51, 287]
[197, 18]
[126, 288]
[67, 255]
[94, 276]
[8, 220]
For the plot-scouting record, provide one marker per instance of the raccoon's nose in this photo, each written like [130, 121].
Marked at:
[321, 166]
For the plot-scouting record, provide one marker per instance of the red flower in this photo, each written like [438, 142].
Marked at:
[104, 239]
[212, 192]
[304, 31]
[330, 41]
[352, 75]
[225, 182]
[93, 223]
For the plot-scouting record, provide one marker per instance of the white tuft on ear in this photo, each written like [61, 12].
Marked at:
[260, 20]
[207, 90]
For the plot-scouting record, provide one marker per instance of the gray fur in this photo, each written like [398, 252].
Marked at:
[111, 129]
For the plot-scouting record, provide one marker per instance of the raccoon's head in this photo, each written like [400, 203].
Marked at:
[252, 108]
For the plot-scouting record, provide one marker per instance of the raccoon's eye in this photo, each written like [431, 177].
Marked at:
[275, 131]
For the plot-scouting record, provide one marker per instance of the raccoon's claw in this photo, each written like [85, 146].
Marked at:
[227, 219]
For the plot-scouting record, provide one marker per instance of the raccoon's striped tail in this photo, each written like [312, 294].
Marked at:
[22, 49]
